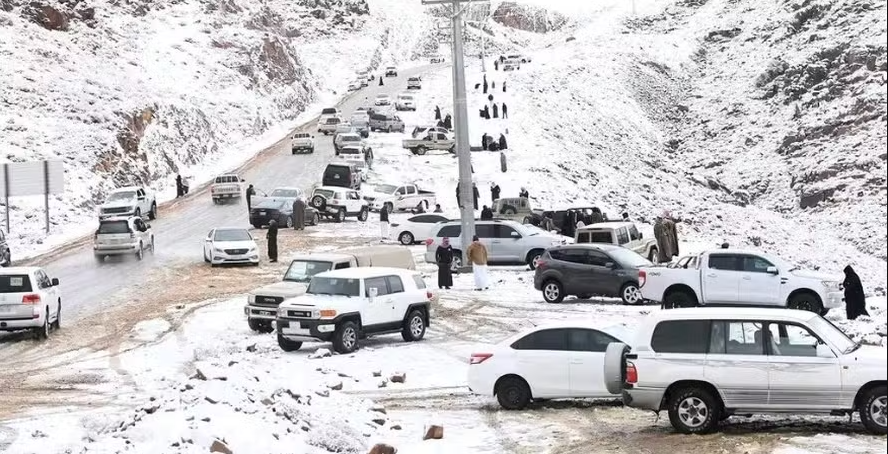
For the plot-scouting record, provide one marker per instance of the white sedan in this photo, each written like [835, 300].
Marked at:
[383, 100]
[415, 229]
[560, 361]
[230, 246]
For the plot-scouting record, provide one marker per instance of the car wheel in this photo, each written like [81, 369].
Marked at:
[57, 324]
[630, 293]
[289, 222]
[415, 327]
[389, 206]
[288, 345]
[457, 262]
[693, 410]
[805, 302]
[319, 202]
[873, 405]
[140, 252]
[152, 215]
[340, 215]
[406, 238]
[420, 150]
[345, 338]
[512, 393]
[533, 257]
[261, 326]
[654, 255]
[364, 214]
[42, 332]
[615, 367]
[315, 219]
[679, 299]
[553, 291]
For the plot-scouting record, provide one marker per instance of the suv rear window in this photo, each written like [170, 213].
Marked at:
[595, 236]
[15, 283]
[114, 227]
[338, 173]
[226, 179]
[681, 336]
[328, 111]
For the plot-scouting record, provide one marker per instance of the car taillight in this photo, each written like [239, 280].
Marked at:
[478, 358]
[429, 294]
[335, 201]
[429, 241]
[631, 373]
[32, 298]
[540, 263]
[642, 277]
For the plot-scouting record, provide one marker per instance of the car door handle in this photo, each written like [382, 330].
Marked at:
[576, 361]
[747, 278]
[711, 275]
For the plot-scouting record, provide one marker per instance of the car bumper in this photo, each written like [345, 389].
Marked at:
[643, 398]
[222, 258]
[260, 312]
[302, 149]
[229, 195]
[479, 383]
[306, 330]
[834, 300]
[117, 249]
[103, 216]
[17, 321]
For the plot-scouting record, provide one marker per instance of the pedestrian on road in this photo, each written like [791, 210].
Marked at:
[420, 208]
[437, 113]
[380, 81]
[299, 215]
[383, 223]
[494, 192]
[444, 259]
[495, 111]
[502, 142]
[272, 237]
[855, 300]
[250, 193]
[505, 110]
[504, 86]
[523, 193]
[477, 255]
[179, 187]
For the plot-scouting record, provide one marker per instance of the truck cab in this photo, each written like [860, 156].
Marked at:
[129, 201]
[226, 187]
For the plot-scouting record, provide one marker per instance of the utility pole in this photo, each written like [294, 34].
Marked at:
[461, 126]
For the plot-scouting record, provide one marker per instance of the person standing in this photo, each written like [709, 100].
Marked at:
[495, 110]
[505, 108]
[272, 237]
[444, 259]
[477, 255]
[664, 240]
[502, 142]
[383, 223]
[494, 192]
[475, 195]
[496, 65]
[523, 193]
[547, 223]
[493, 85]
[299, 214]
[625, 217]
[673, 232]
[504, 86]
[580, 224]
[486, 213]
[380, 81]
[438, 208]
[250, 193]
[596, 216]
[437, 113]
[448, 122]
[855, 299]
[484, 84]
[179, 187]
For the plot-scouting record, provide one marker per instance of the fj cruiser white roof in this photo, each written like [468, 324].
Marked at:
[365, 272]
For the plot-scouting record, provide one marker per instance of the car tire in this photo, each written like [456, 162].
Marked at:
[364, 214]
[414, 327]
[533, 257]
[406, 238]
[152, 215]
[805, 301]
[345, 338]
[289, 222]
[872, 408]
[553, 291]
[630, 294]
[42, 332]
[140, 252]
[512, 393]
[615, 367]
[319, 202]
[420, 151]
[340, 215]
[694, 410]
[316, 219]
[260, 326]
[679, 299]
[57, 324]
[288, 345]
[654, 255]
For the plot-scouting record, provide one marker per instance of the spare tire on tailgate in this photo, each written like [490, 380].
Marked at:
[615, 367]
[319, 202]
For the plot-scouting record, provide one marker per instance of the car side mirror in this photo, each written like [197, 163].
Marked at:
[373, 292]
[515, 235]
[771, 270]
[610, 265]
[243, 180]
[55, 281]
[823, 351]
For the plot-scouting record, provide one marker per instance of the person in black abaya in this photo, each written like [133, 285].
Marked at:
[855, 301]
[380, 81]
[272, 237]
[486, 113]
[437, 113]
[448, 122]
[444, 259]
[495, 110]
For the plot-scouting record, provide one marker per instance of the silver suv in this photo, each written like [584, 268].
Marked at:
[508, 242]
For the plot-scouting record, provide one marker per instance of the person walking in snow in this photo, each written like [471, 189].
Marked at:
[444, 259]
[299, 215]
[380, 81]
[496, 65]
[505, 111]
[477, 255]
[179, 186]
[502, 142]
[495, 111]
[485, 139]
[486, 113]
[448, 122]
[272, 237]
[484, 84]
[437, 113]
[250, 193]
[494, 192]
[383, 223]
[855, 299]
[486, 213]
[504, 86]
[523, 193]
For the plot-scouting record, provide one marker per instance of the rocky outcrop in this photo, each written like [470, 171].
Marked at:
[47, 16]
[278, 62]
[528, 18]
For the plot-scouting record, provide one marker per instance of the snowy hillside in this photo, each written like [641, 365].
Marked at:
[137, 91]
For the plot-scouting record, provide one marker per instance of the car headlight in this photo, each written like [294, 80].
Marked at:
[325, 313]
[830, 285]
[218, 250]
[281, 311]
[251, 299]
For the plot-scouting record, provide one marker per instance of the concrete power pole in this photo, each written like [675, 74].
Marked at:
[461, 126]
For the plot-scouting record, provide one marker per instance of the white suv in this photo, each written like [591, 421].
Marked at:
[703, 365]
[508, 242]
[123, 236]
[29, 299]
[339, 203]
[344, 306]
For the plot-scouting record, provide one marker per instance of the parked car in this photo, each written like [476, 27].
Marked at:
[556, 361]
[302, 143]
[5, 252]
[391, 71]
[738, 277]
[559, 217]
[129, 201]
[436, 59]
[382, 99]
[226, 187]
[511, 65]
[344, 306]
[414, 83]
[262, 213]
[430, 141]
[416, 228]
[29, 299]
[508, 242]
[387, 122]
[288, 195]
[341, 174]
[355, 157]
[231, 245]
[514, 208]
[588, 270]
[519, 58]
[338, 203]
[344, 128]
[399, 197]
[355, 85]
[262, 303]
[328, 125]
[405, 101]
[364, 77]
[623, 234]
[703, 365]
[349, 138]
[122, 236]
[329, 112]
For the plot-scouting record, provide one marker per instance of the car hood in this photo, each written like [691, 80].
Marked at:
[286, 289]
[234, 244]
[341, 304]
[119, 204]
[869, 354]
[818, 275]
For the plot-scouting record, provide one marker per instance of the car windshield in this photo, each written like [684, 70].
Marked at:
[15, 283]
[627, 258]
[232, 235]
[303, 270]
[226, 179]
[114, 227]
[334, 286]
[833, 334]
[121, 196]
[386, 188]
[333, 121]
[288, 193]
[328, 111]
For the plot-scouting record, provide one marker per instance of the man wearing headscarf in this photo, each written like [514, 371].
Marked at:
[494, 192]
[477, 255]
[444, 259]
[855, 300]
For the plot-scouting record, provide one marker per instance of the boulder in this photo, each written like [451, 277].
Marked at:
[337, 386]
[382, 448]
[221, 447]
[398, 377]
[47, 16]
[320, 353]
[434, 433]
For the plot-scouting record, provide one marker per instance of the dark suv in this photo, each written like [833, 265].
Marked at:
[343, 175]
[587, 270]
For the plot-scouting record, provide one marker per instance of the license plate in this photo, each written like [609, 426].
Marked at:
[261, 213]
[295, 331]
[265, 312]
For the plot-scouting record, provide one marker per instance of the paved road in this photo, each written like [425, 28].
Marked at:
[179, 229]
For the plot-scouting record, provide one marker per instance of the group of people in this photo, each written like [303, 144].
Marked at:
[488, 143]
[445, 122]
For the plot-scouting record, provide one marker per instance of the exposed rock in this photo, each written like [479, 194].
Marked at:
[377, 373]
[382, 448]
[382, 383]
[528, 18]
[323, 392]
[220, 447]
[395, 427]
[47, 16]
[251, 348]
[569, 39]
[379, 421]
[320, 353]
[278, 62]
[378, 409]
[434, 433]
[337, 386]
[398, 377]
[199, 375]
[211, 400]
[720, 35]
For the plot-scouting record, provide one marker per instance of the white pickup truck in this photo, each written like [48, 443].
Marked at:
[402, 198]
[735, 277]
[302, 142]
[228, 186]
[430, 140]
[129, 201]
